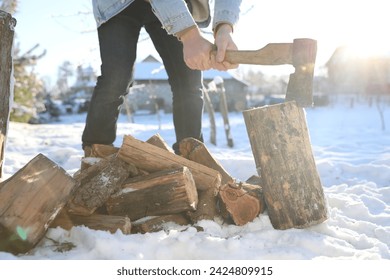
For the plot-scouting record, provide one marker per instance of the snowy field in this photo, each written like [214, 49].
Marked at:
[352, 154]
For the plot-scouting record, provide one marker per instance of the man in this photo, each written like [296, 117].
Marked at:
[179, 42]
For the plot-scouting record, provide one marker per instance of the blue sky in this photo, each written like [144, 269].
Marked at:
[67, 31]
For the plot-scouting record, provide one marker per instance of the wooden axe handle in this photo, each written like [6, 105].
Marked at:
[271, 54]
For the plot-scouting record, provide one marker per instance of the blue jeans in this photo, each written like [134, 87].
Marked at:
[118, 39]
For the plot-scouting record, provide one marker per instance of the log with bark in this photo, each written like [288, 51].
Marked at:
[160, 193]
[7, 25]
[29, 201]
[95, 221]
[282, 150]
[92, 194]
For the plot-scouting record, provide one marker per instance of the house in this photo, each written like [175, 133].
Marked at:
[352, 73]
[151, 86]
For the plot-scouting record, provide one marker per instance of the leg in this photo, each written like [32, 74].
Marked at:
[186, 84]
[118, 44]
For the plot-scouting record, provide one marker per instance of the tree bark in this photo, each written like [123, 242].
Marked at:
[29, 201]
[281, 147]
[7, 25]
[162, 193]
[95, 192]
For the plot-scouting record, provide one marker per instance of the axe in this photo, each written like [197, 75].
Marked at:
[301, 54]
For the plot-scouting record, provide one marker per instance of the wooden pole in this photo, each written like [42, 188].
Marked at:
[7, 25]
[281, 147]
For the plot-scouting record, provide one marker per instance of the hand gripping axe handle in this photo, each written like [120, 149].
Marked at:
[301, 54]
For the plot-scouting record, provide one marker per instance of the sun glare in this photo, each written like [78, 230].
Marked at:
[369, 48]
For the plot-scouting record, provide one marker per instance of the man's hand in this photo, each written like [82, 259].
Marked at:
[196, 49]
[223, 42]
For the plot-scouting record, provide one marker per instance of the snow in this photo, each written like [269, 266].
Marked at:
[352, 154]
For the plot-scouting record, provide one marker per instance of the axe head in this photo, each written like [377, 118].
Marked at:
[300, 85]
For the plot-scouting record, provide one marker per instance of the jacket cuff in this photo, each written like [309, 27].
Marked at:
[174, 19]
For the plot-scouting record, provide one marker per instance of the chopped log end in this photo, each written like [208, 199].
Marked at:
[241, 206]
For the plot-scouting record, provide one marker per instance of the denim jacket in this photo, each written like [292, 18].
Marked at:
[174, 19]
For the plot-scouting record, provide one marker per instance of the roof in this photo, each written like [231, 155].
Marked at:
[149, 70]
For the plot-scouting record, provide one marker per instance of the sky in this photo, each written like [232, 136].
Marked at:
[67, 30]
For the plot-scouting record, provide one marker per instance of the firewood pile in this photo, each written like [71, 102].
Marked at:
[136, 188]
[142, 185]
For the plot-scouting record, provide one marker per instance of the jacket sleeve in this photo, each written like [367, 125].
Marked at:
[226, 11]
[173, 15]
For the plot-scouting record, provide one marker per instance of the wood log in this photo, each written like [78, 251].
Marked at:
[162, 193]
[231, 203]
[103, 151]
[242, 203]
[152, 159]
[154, 224]
[95, 192]
[7, 25]
[197, 151]
[158, 141]
[284, 160]
[207, 208]
[30, 201]
[109, 223]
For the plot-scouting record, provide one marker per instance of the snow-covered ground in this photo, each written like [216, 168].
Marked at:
[352, 154]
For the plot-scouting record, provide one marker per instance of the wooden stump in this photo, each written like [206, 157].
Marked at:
[281, 147]
[29, 201]
[161, 193]
[7, 25]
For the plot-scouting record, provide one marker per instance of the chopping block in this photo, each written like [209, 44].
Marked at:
[280, 139]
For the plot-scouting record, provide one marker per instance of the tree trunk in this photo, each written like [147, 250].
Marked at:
[29, 201]
[281, 147]
[210, 111]
[7, 24]
[162, 193]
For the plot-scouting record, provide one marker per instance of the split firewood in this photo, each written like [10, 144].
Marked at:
[152, 159]
[197, 151]
[158, 141]
[161, 193]
[207, 207]
[29, 201]
[153, 224]
[95, 192]
[109, 223]
[241, 203]
[233, 203]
